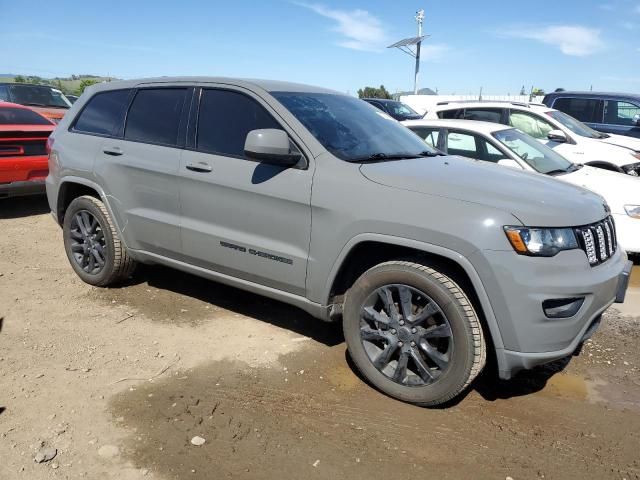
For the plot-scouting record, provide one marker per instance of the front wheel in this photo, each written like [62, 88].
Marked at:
[413, 333]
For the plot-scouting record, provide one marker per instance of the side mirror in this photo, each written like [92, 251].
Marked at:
[508, 162]
[557, 136]
[270, 145]
[636, 120]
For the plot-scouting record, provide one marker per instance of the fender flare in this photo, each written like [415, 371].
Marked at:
[456, 257]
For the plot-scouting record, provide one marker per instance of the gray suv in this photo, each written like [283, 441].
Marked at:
[432, 262]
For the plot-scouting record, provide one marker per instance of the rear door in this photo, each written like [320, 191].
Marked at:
[139, 167]
[246, 219]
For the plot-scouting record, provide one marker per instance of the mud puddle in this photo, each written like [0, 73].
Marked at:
[313, 417]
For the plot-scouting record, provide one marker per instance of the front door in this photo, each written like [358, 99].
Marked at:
[242, 218]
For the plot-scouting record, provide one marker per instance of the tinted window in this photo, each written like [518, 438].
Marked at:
[429, 135]
[493, 115]
[401, 110]
[452, 114]
[21, 116]
[38, 95]
[530, 124]
[583, 109]
[154, 116]
[350, 129]
[226, 118]
[620, 113]
[104, 113]
[4, 93]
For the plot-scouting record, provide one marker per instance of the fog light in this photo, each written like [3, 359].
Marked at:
[562, 307]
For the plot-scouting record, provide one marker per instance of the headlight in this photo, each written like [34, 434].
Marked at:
[632, 210]
[541, 242]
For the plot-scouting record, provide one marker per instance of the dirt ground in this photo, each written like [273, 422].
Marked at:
[120, 380]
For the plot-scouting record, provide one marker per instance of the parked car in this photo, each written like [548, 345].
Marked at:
[566, 135]
[23, 156]
[44, 99]
[508, 146]
[395, 109]
[424, 259]
[616, 113]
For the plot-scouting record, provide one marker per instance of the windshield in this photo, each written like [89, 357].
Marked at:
[576, 126]
[21, 116]
[38, 95]
[351, 129]
[540, 157]
[401, 110]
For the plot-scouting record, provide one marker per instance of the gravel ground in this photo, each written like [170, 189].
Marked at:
[126, 383]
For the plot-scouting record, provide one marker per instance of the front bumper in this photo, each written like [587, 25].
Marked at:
[518, 285]
[20, 189]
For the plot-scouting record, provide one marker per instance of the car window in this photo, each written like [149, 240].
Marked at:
[4, 93]
[349, 129]
[154, 115]
[428, 134]
[401, 110]
[21, 116]
[451, 114]
[472, 146]
[530, 124]
[584, 109]
[225, 119]
[540, 157]
[103, 113]
[493, 115]
[620, 113]
[37, 95]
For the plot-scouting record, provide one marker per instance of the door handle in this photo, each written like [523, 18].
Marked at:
[113, 151]
[200, 167]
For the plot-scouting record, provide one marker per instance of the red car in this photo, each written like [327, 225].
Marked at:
[23, 152]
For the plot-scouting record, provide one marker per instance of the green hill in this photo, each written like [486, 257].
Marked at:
[69, 85]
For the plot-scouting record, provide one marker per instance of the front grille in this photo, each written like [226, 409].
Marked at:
[598, 241]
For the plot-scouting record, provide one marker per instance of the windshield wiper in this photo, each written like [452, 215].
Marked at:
[571, 168]
[428, 153]
[383, 157]
[603, 135]
[32, 104]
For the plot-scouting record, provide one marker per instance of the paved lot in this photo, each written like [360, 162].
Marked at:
[120, 380]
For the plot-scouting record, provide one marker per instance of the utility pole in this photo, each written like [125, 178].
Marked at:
[405, 46]
[419, 19]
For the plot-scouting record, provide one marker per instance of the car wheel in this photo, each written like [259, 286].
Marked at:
[413, 333]
[92, 244]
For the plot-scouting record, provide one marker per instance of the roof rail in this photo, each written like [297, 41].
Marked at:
[510, 102]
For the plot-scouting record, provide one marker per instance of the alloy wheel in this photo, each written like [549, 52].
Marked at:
[88, 244]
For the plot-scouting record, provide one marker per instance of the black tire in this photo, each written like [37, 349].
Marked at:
[117, 263]
[452, 364]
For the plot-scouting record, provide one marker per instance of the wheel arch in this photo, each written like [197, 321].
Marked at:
[366, 250]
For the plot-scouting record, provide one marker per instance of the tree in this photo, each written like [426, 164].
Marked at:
[87, 82]
[19, 79]
[372, 92]
[537, 92]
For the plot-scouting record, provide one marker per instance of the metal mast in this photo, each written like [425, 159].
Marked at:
[405, 46]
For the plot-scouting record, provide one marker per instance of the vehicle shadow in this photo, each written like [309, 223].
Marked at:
[2, 410]
[18, 207]
[239, 301]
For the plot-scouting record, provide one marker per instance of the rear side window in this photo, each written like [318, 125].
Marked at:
[104, 113]
[532, 125]
[493, 115]
[154, 116]
[429, 135]
[21, 116]
[584, 109]
[452, 114]
[226, 118]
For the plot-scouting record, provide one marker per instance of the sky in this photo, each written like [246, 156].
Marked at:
[499, 46]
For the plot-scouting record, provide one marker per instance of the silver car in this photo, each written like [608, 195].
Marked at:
[320, 200]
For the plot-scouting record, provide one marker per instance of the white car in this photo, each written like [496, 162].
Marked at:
[510, 147]
[566, 135]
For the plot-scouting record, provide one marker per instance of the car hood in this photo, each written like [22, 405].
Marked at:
[594, 149]
[622, 141]
[535, 199]
[618, 189]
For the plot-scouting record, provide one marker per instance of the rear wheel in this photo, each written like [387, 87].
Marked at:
[92, 244]
[413, 333]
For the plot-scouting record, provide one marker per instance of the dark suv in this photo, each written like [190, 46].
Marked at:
[395, 109]
[607, 112]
